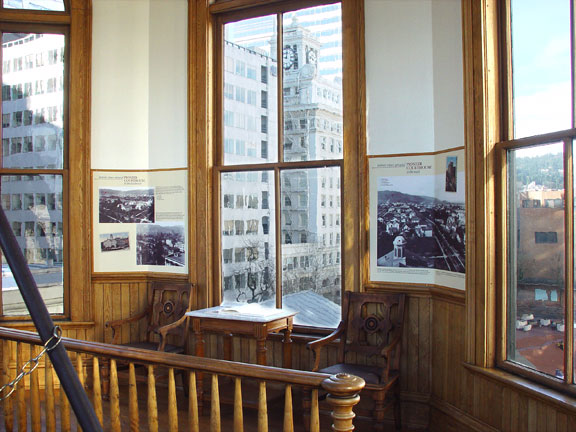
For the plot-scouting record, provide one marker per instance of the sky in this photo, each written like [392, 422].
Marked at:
[541, 66]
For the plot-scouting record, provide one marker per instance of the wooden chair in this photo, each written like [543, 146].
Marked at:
[371, 329]
[165, 316]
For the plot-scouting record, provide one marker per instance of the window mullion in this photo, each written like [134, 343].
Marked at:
[569, 261]
[277, 176]
[280, 85]
[278, 237]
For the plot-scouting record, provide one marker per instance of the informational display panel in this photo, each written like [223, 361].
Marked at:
[139, 221]
[417, 219]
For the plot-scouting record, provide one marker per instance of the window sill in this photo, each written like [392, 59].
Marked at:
[524, 385]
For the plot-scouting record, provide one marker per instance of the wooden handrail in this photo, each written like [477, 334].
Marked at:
[177, 361]
[342, 389]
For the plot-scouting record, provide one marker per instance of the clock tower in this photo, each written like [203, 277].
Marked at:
[300, 48]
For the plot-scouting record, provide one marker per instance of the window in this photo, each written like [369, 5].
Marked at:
[264, 124]
[264, 74]
[536, 152]
[546, 237]
[229, 201]
[291, 151]
[28, 188]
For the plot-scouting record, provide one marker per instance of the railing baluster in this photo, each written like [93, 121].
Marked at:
[114, 398]
[8, 405]
[288, 410]
[133, 400]
[152, 405]
[49, 410]
[193, 403]
[80, 369]
[238, 415]
[64, 410]
[97, 390]
[314, 412]
[343, 389]
[215, 406]
[172, 404]
[81, 377]
[35, 413]
[262, 409]
[22, 357]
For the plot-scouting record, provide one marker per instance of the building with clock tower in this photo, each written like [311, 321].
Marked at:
[310, 215]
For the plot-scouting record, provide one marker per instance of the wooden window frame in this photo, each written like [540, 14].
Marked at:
[75, 24]
[488, 92]
[353, 111]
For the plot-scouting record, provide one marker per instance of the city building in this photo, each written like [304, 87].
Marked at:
[310, 199]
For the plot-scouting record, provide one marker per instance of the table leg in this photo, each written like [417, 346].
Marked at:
[260, 334]
[287, 348]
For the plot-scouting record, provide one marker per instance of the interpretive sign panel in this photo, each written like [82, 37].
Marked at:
[417, 219]
[139, 220]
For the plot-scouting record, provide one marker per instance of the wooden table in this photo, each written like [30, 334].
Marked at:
[252, 320]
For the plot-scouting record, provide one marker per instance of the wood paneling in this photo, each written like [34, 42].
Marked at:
[118, 300]
[465, 401]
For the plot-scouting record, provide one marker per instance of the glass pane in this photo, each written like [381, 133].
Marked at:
[250, 92]
[48, 5]
[311, 252]
[33, 206]
[536, 258]
[312, 88]
[32, 100]
[248, 237]
[541, 65]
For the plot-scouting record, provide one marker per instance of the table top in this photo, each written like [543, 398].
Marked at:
[242, 312]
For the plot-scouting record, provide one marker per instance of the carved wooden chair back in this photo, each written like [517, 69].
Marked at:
[168, 303]
[373, 320]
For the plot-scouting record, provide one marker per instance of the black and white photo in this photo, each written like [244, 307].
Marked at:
[161, 244]
[417, 230]
[114, 242]
[126, 205]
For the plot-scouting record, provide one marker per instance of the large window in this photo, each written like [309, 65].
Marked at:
[33, 165]
[284, 234]
[538, 184]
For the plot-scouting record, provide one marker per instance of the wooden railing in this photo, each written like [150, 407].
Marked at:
[93, 358]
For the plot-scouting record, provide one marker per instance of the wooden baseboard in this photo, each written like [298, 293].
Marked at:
[447, 418]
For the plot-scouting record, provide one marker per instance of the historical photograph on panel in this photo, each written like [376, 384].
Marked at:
[126, 205]
[161, 244]
[114, 242]
[417, 218]
[451, 167]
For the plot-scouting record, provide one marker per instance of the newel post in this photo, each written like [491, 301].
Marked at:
[343, 392]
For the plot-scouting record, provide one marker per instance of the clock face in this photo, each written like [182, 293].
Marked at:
[289, 57]
[311, 56]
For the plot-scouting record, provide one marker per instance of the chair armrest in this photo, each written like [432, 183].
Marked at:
[116, 324]
[317, 345]
[390, 351]
[164, 330]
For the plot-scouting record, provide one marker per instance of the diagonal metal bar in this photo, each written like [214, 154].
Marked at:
[45, 328]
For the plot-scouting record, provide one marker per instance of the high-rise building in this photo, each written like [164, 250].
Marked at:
[310, 198]
[32, 142]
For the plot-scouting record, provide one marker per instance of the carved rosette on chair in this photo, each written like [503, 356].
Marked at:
[371, 329]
